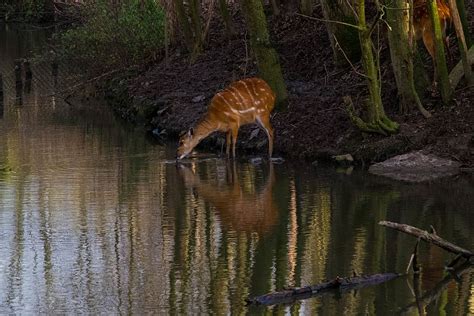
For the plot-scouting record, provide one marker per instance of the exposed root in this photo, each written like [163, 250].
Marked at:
[382, 125]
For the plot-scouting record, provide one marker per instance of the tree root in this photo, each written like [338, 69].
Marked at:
[381, 125]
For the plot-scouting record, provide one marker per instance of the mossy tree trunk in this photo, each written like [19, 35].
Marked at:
[344, 39]
[401, 42]
[440, 58]
[463, 15]
[266, 56]
[377, 121]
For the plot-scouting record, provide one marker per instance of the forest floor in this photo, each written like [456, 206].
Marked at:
[316, 124]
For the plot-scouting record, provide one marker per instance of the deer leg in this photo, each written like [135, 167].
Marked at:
[267, 126]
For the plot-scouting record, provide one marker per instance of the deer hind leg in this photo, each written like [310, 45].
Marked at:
[267, 126]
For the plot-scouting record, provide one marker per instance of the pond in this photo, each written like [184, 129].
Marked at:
[95, 219]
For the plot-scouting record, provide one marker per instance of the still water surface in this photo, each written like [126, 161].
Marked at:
[93, 219]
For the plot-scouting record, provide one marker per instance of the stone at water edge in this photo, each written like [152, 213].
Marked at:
[344, 159]
[277, 160]
[415, 167]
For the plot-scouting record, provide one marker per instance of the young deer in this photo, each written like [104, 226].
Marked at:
[242, 102]
[424, 28]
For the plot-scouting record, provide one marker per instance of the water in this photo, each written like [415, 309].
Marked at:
[93, 219]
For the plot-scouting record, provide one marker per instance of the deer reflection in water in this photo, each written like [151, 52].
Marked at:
[238, 209]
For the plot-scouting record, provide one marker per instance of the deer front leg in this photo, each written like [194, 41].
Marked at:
[267, 126]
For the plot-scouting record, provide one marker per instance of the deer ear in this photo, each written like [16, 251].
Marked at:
[191, 132]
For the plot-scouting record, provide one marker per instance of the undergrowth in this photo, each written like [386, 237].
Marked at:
[113, 37]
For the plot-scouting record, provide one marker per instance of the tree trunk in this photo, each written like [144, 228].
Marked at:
[306, 7]
[185, 25]
[344, 39]
[275, 7]
[229, 26]
[290, 6]
[401, 52]
[49, 14]
[465, 25]
[196, 25]
[377, 120]
[461, 41]
[266, 56]
[440, 58]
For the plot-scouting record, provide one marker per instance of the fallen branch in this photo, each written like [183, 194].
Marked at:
[341, 284]
[430, 238]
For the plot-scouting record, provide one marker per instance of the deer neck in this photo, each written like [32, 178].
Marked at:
[204, 128]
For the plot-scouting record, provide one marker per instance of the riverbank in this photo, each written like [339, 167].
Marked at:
[170, 96]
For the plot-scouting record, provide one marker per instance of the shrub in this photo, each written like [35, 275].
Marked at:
[114, 36]
[22, 11]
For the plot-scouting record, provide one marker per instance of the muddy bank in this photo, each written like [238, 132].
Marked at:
[170, 96]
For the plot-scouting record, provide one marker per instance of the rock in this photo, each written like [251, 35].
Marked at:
[158, 134]
[256, 161]
[344, 159]
[198, 99]
[415, 167]
[277, 160]
[254, 134]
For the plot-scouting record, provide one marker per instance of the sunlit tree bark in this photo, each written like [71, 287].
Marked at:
[401, 50]
[440, 58]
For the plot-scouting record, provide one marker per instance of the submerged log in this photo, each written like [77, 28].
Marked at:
[432, 238]
[341, 284]
[435, 293]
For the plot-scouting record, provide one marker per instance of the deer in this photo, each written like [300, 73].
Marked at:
[243, 102]
[423, 26]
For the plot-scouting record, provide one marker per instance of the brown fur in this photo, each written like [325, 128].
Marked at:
[423, 26]
[242, 102]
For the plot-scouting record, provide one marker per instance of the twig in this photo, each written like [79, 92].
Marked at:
[347, 58]
[329, 21]
[413, 259]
